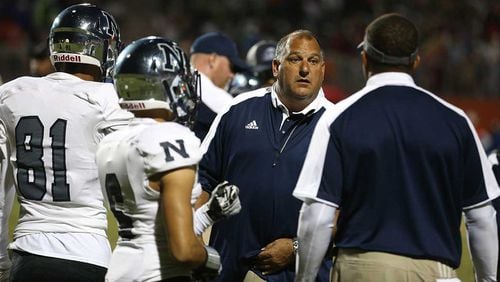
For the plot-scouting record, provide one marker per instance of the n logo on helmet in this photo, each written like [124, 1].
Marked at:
[109, 26]
[174, 60]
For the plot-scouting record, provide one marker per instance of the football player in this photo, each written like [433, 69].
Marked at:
[216, 57]
[259, 58]
[49, 130]
[149, 170]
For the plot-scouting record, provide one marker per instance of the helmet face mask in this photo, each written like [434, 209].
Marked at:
[185, 98]
[154, 73]
[243, 82]
[260, 57]
[85, 34]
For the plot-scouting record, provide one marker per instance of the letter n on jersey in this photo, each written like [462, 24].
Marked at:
[181, 149]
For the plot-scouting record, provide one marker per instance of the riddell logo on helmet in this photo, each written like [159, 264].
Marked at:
[132, 106]
[70, 58]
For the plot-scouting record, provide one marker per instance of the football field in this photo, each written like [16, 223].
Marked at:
[465, 272]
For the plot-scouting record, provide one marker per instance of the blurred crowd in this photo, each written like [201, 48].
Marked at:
[460, 39]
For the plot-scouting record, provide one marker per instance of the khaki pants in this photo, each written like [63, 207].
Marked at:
[252, 277]
[356, 265]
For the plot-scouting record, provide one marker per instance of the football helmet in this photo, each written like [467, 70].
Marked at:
[85, 34]
[154, 73]
[243, 82]
[260, 58]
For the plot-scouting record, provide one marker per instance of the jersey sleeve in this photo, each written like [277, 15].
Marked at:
[479, 181]
[322, 166]
[167, 147]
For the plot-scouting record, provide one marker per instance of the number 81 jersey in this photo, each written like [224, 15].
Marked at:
[128, 157]
[51, 127]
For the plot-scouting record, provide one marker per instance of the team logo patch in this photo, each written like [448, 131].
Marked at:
[252, 125]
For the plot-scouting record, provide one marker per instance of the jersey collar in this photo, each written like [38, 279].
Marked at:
[314, 106]
[62, 76]
[390, 78]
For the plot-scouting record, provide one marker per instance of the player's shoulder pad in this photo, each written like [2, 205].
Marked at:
[96, 93]
[167, 146]
[169, 131]
[7, 88]
[157, 138]
[108, 91]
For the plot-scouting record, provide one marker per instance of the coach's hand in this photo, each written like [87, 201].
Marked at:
[276, 256]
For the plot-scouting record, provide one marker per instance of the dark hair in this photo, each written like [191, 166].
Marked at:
[393, 35]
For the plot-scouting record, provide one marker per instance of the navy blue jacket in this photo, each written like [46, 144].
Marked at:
[246, 147]
[401, 164]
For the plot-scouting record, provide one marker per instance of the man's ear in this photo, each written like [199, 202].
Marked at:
[416, 63]
[275, 66]
[211, 60]
[364, 60]
[364, 64]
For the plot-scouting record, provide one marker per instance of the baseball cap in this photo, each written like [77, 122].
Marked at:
[221, 44]
[261, 55]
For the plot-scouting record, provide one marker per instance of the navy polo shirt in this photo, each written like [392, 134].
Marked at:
[251, 146]
[400, 164]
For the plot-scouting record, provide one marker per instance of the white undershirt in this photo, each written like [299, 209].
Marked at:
[84, 247]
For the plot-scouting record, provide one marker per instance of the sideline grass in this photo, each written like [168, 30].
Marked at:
[465, 272]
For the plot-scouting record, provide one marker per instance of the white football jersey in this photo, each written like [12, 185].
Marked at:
[51, 127]
[126, 158]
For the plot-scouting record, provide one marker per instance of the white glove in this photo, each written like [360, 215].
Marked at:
[223, 202]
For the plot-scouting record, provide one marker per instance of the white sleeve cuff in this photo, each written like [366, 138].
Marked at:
[314, 234]
[483, 240]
